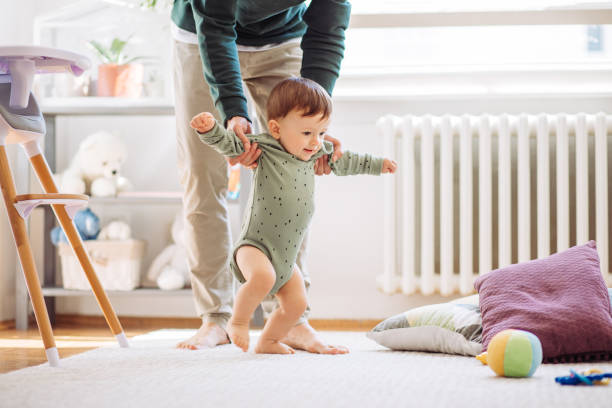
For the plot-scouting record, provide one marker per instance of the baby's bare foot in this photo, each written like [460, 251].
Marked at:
[208, 335]
[239, 334]
[267, 346]
[304, 337]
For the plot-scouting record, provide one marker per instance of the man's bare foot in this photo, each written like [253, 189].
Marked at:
[304, 337]
[208, 335]
[266, 346]
[239, 334]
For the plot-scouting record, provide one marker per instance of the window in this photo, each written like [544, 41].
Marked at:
[461, 47]
[477, 47]
[468, 40]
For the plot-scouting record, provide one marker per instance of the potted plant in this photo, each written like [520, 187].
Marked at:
[118, 75]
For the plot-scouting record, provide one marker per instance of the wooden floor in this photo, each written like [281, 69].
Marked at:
[20, 349]
[77, 334]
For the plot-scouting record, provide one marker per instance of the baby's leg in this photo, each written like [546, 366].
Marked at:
[260, 278]
[291, 305]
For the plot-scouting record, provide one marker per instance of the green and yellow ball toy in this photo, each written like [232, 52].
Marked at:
[513, 353]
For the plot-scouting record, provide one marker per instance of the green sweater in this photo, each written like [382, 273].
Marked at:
[281, 200]
[221, 24]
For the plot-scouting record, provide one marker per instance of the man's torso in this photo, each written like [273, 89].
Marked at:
[258, 22]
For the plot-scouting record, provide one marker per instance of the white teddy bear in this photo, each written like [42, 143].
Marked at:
[169, 269]
[95, 167]
[116, 230]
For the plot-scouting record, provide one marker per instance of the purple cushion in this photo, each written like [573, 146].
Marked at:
[562, 299]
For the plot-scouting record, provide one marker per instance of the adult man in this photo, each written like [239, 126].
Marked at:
[218, 45]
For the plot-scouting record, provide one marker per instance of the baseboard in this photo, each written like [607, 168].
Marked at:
[128, 322]
[344, 324]
[155, 323]
[7, 324]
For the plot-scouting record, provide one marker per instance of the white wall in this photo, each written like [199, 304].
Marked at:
[24, 12]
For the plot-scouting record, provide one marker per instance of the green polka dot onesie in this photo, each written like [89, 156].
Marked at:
[281, 201]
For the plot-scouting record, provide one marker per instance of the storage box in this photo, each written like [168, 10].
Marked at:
[117, 264]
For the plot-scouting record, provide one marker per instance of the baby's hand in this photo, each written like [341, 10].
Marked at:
[203, 122]
[389, 166]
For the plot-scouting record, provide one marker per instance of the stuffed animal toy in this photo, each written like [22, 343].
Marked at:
[169, 269]
[87, 224]
[116, 231]
[95, 169]
[513, 353]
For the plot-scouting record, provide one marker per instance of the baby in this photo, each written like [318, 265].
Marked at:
[281, 204]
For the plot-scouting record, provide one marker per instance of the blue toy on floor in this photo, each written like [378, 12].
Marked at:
[589, 377]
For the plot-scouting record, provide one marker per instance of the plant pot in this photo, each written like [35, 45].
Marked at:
[120, 80]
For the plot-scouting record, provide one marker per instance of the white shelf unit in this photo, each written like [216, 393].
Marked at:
[95, 106]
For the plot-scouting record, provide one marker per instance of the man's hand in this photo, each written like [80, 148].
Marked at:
[321, 166]
[389, 166]
[242, 127]
[203, 122]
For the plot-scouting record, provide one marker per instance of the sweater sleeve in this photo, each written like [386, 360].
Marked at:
[323, 42]
[352, 163]
[215, 22]
[223, 141]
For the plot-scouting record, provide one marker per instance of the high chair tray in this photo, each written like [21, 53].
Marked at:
[47, 60]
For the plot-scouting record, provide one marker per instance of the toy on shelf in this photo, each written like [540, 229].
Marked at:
[88, 227]
[87, 224]
[115, 256]
[513, 353]
[169, 269]
[588, 377]
[116, 230]
[96, 167]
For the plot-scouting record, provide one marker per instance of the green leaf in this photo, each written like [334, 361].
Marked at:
[116, 48]
[114, 53]
[101, 50]
[133, 59]
[148, 3]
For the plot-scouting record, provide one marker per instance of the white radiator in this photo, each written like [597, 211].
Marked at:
[475, 193]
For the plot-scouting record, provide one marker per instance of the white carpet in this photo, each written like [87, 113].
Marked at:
[154, 374]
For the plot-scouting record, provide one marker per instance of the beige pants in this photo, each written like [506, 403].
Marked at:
[203, 172]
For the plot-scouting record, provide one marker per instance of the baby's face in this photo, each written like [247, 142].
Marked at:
[302, 136]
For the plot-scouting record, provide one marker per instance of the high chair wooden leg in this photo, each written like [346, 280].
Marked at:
[46, 180]
[26, 258]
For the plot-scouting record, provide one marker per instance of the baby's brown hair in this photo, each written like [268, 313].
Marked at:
[301, 94]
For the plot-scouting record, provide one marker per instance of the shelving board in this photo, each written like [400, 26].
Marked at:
[106, 106]
[170, 198]
[59, 291]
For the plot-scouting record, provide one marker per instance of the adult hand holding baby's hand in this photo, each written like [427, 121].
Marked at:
[321, 166]
[242, 127]
[389, 166]
[203, 122]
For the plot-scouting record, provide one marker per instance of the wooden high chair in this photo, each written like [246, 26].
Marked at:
[21, 122]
